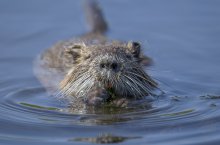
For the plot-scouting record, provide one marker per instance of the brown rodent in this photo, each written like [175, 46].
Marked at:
[94, 69]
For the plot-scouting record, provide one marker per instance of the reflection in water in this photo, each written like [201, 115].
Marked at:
[104, 139]
[37, 106]
[108, 108]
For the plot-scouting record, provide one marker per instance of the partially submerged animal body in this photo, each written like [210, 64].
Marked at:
[93, 69]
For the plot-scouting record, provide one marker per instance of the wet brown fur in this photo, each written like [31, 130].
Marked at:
[77, 63]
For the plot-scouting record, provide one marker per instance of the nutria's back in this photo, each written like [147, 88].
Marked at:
[94, 69]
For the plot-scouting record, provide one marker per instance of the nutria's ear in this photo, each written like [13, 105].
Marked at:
[134, 48]
[75, 49]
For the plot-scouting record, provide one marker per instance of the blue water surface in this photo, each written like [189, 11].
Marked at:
[183, 39]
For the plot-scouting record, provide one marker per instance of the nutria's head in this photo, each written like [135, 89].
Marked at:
[116, 67]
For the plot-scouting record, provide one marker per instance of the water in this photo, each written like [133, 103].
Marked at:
[183, 38]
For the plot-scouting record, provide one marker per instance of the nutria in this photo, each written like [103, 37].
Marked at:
[94, 69]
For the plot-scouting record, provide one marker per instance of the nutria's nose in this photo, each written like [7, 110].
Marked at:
[110, 65]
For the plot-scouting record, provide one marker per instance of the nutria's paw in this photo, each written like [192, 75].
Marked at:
[94, 101]
[121, 102]
[97, 97]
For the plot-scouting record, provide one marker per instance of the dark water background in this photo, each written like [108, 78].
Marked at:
[183, 38]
